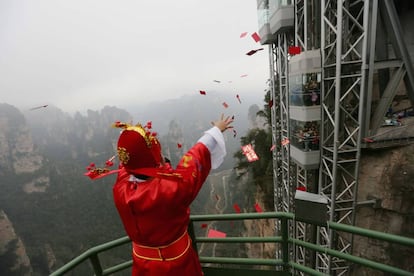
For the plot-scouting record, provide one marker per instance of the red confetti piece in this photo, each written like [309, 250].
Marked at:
[272, 147]
[225, 105]
[236, 207]
[270, 104]
[301, 188]
[243, 34]
[369, 140]
[294, 50]
[258, 208]
[202, 92]
[249, 152]
[179, 145]
[256, 37]
[204, 225]
[285, 142]
[243, 76]
[216, 234]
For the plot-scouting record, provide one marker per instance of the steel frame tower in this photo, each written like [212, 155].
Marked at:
[350, 56]
[343, 52]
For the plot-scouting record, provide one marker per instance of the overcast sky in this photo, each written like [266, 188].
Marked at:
[79, 54]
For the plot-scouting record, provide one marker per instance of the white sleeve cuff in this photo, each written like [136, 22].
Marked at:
[213, 139]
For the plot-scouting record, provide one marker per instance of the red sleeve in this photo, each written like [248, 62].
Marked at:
[196, 164]
[122, 194]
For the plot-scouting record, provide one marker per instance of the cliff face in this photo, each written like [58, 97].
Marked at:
[13, 257]
[386, 175]
[16, 145]
[18, 157]
[42, 157]
[260, 228]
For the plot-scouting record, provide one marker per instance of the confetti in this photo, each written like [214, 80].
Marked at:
[252, 52]
[243, 34]
[294, 50]
[39, 107]
[270, 104]
[256, 37]
[238, 98]
[250, 153]
[234, 133]
[236, 207]
[272, 147]
[285, 142]
[216, 234]
[225, 105]
[258, 208]
[202, 92]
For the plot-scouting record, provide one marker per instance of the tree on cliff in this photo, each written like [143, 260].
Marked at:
[260, 137]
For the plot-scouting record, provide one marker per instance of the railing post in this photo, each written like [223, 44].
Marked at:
[285, 243]
[192, 235]
[97, 268]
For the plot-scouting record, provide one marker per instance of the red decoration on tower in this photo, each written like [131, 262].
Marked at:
[294, 50]
[236, 208]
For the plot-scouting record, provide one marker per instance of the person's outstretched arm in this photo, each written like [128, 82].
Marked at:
[213, 139]
[207, 153]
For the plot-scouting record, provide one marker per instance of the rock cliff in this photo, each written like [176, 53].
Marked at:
[13, 257]
[388, 176]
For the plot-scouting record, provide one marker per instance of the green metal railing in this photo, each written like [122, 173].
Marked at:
[285, 265]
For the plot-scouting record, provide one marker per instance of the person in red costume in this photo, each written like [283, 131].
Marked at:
[153, 199]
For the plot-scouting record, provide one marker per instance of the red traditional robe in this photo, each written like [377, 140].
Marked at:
[155, 213]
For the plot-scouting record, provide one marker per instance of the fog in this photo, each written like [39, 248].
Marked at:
[83, 54]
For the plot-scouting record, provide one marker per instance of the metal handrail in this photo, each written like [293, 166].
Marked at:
[284, 240]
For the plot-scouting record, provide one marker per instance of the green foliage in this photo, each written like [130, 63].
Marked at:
[261, 140]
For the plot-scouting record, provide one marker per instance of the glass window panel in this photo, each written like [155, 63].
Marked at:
[305, 135]
[263, 14]
[305, 89]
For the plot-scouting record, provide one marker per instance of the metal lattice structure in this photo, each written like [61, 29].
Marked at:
[350, 36]
[343, 61]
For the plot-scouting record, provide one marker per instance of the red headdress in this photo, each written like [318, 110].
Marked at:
[139, 152]
[138, 147]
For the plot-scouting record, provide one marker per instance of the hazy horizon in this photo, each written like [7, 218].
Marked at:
[79, 55]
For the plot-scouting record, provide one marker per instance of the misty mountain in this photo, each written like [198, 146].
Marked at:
[52, 208]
